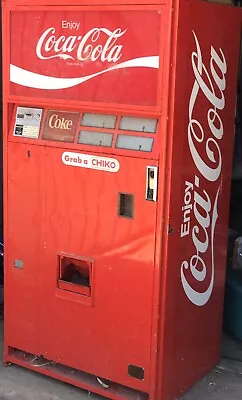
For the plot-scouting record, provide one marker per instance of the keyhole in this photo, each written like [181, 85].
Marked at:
[28, 153]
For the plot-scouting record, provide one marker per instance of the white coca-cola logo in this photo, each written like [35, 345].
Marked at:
[208, 161]
[81, 47]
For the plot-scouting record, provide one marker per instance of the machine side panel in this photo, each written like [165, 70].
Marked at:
[203, 132]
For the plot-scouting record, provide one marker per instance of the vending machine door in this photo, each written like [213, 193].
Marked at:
[81, 260]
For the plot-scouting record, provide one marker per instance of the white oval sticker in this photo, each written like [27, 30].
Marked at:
[90, 161]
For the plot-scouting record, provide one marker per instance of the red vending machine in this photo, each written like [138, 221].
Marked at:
[118, 138]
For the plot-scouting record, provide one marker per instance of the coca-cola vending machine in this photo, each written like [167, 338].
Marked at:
[118, 137]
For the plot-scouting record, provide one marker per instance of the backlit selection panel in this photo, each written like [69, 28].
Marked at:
[86, 129]
[99, 120]
[138, 124]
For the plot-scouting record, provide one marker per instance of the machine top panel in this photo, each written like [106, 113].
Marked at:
[101, 56]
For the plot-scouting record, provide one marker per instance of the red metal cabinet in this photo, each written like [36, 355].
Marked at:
[118, 137]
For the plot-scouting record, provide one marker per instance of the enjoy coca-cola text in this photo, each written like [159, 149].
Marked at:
[81, 47]
[208, 162]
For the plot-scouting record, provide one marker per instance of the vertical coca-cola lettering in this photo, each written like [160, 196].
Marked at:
[204, 144]
[201, 241]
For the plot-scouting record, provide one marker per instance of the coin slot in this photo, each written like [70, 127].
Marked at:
[151, 183]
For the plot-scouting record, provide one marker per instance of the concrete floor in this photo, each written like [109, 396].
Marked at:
[224, 383]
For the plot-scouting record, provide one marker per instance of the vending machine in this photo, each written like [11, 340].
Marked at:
[118, 137]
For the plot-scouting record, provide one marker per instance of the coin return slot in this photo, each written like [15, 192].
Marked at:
[75, 275]
[126, 205]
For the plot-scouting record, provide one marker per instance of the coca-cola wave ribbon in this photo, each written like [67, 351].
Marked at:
[38, 81]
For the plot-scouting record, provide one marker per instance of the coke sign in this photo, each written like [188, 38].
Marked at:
[83, 55]
[60, 126]
[82, 48]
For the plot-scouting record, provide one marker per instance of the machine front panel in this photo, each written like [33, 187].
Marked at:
[89, 295]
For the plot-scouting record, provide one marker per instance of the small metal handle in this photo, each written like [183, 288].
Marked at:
[151, 183]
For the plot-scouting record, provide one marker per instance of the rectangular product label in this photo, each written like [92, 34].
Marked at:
[60, 126]
[27, 122]
[90, 161]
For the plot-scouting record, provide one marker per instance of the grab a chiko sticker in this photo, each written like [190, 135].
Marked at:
[27, 123]
[91, 162]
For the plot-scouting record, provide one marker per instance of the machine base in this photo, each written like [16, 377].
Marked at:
[73, 376]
